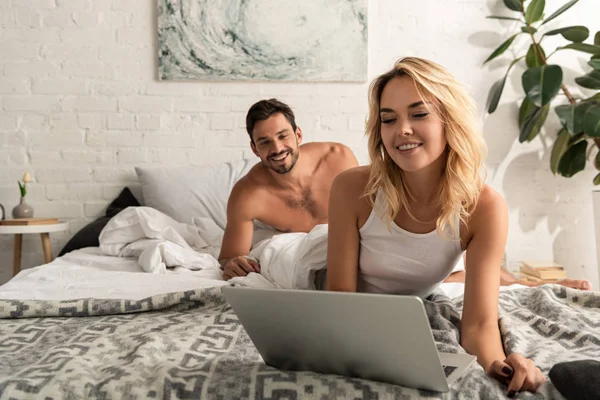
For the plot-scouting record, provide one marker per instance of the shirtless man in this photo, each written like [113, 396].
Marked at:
[289, 189]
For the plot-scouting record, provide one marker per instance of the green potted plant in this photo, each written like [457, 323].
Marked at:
[23, 210]
[542, 81]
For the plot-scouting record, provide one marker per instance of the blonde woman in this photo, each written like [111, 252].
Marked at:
[400, 224]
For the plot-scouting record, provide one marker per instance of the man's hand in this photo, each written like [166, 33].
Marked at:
[239, 266]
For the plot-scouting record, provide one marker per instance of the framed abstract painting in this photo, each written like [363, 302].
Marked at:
[265, 40]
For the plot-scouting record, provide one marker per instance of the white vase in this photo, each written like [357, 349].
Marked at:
[596, 207]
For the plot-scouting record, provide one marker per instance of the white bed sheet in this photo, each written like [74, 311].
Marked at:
[87, 273]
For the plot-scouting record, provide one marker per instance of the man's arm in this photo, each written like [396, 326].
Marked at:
[237, 238]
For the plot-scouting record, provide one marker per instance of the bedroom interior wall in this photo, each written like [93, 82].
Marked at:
[81, 106]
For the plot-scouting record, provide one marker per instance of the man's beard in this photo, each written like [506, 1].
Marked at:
[284, 168]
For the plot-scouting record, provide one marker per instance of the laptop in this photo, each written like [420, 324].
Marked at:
[384, 338]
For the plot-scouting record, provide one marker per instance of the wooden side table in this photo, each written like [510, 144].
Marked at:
[44, 231]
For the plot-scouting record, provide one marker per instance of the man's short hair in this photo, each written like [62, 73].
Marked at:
[264, 109]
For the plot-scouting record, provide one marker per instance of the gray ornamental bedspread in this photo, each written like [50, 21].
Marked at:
[191, 345]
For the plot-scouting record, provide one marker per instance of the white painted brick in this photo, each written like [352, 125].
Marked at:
[34, 122]
[128, 52]
[115, 19]
[215, 155]
[31, 103]
[34, 4]
[45, 156]
[74, 5]
[184, 122]
[65, 121]
[19, 51]
[133, 36]
[87, 19]
[87, 156]
[320, 104]
[38, 69]
[115, 174]
[69, 192]
[12, 138]
[61, 175]
[221, 121]
[62, 209]
[83, 69]
[243, 103]
[14, 86]
[114, 138]
[94, 209]
[110, 192]
[357, 122]
[53, 140]
[130, 7]
[235, 89]
[11, 174]
[35, 193]
[134, 156]
[120, 121]
[143, 17]
[7, 21]
[41, 36]
[61, 86]
[354, 104]
[69, 52]
[8, 122]
[134, 70]
[90, 121]
[203, 104]
[225, 139]
[140, 104]
[171, 156]
[80, 103]
[175, 88]
[333, 122]
[147, 122]
[13, 156]
[57, 18]
[27, 18]
[180, 140]
[117, 88]
[77, 36]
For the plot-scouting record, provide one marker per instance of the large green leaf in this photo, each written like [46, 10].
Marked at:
[503, 18]
[502, 48]
[528, 29]
[591, 121]
[580, 110]
[597, 38]
[533, 123]
[597, 160]
[496, 90]
[535, 11]
[514, 5]
[597, 180]
[591, 80]
[527, 107]
[541, 84]
[534, 58]
[595, 64]
[576, 33]
[560, 145]
[573, 160]
[560, 11]
[566, 114]
[586, 48]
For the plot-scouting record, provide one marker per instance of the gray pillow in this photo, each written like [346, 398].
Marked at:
[192, 191]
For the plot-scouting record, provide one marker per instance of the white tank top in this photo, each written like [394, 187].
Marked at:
[395, 261]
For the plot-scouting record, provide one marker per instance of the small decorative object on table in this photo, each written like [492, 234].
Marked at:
[542, 271]
[2, 213]
[23, 210]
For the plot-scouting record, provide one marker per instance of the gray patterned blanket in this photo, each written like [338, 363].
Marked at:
[191, 345]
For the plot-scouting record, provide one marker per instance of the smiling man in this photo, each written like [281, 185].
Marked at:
[288, 190]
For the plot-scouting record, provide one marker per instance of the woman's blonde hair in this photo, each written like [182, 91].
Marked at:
[463, 174]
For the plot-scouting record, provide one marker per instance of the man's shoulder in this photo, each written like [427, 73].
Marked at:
[331, 153]
[246, 189]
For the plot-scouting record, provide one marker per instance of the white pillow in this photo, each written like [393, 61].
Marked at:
[184, 193]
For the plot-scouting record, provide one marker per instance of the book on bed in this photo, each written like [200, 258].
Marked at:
[30, 221]
[543, 270]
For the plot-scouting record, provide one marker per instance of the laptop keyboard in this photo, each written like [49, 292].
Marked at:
[448, 369]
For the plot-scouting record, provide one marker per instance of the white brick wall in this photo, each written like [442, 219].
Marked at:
[80, 106]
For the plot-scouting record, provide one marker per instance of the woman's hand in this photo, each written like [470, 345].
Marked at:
[518, 372]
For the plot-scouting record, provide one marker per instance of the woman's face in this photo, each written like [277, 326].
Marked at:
[412, 132]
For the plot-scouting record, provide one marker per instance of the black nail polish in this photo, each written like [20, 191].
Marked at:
[507, 370]
[512, 394]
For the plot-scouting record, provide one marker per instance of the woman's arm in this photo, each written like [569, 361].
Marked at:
[480, 334]
[343, 236]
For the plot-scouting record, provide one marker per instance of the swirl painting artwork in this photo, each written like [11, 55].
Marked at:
[264, 40]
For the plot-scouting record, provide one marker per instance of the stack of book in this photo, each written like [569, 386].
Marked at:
[29, 221]
[542, 271]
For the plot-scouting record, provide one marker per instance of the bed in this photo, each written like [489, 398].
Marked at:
[97, 326]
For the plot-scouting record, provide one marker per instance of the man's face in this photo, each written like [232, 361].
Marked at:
[276, 144]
